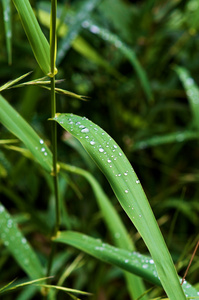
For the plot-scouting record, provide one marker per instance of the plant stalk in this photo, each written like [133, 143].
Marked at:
[53, 71]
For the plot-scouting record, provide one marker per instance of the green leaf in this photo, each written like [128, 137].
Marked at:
[174, 137]
[38, 41]
[9, 84]
[133, 262]
[78, 44]
[83, 13]
[192, 92]
[19, 127]
[127, 188]
[125, 50]
[18, 246]
[117, 230]
[8, 27]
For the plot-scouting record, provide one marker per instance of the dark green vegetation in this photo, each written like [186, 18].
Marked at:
[137, 62]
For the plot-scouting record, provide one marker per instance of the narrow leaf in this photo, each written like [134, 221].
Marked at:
[18, 246]
[124, 49]
[79, 44]
[174, 137]
[19, 127]
[192, 92]
[38, 41]
[133, 262]
[12, 82]
[116, 167]
[65, 289]
[83, 13]
[117, 230]
[7, 288]
[8, 27]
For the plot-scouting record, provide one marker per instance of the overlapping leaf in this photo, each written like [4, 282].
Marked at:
[116, 167]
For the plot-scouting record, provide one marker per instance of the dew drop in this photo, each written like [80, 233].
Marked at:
[126, 261]
[77, 123]
[94, 29]
[85, 130]
[101, 150]
[137, 181]
[85, 24]
[9, 223]
[151, 261]
[126, 191]
[115, 146]
[24, 240]
[109, 161]
[120, 154]
[92, 143]
[117, 235]
[43, 149]
[41, 141]
[1, 209]
[125, 174]
[45, 153]
[145, 266]
[189, 81]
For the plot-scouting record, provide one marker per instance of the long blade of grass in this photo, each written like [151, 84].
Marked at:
[128, 53]
[83, 13]
[19, 127]
[133, 262]
[37, 39]
[79, 44]
[174, 137]
[8, 27]
[117, 230]
[10, 83]
[127, 188]
[7, 288]
[18, 246]
[61, 288]
[192, 92]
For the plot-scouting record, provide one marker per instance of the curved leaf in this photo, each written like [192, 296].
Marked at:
[121, 176]
[18, 246]
[10, 118]
[133, 262]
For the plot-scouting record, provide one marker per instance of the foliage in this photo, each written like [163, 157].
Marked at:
[136, 65]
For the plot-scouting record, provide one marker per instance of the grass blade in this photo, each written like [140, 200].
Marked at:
[61, 288]
[174, 137]
[133, 262]
[127, 188]
[38, 41]
[80, 45]
[117, 230]
[19, 127]
[128, 53]
[18, 246]
[192, 92]
[9, 84]
[8, 27]
[83, 13]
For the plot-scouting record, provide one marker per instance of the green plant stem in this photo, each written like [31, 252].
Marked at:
[54, 150]
[53, 37]
[53, 45]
